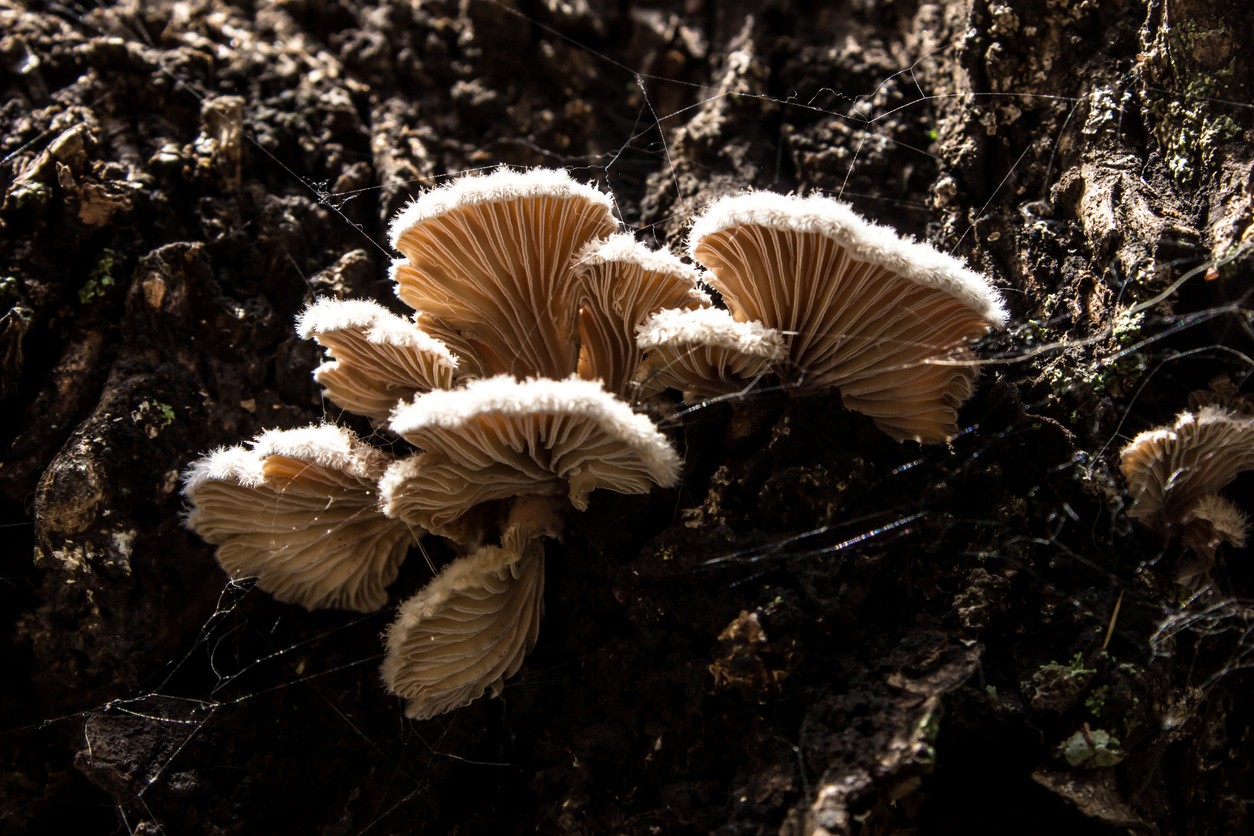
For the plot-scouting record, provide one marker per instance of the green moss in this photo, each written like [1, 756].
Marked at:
[1116, 375]
[28, 193]
[1096, 701]
[153, 417]
[100, 280]
[1187, 127]
[1057, 686]
[165, 413]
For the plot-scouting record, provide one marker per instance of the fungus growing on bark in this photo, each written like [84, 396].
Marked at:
[883, 319]
[622, 283]
[705, 352]
[492, 257]
[298, 510]
[376, 358]
[499, 437]
[524, 312]
[489, 266]
[1175, 474]
[467, 630]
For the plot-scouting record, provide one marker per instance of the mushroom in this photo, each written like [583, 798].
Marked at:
[883, 319]
[499, 437]
[441, 495]
[376, 358]
[491, 256]
[705, 353]
[622, 283]
[467, 630]
[1175, 474]
[298, 510]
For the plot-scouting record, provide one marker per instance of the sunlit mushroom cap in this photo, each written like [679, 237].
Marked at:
[623, 282]
[377, 358]
[298, 510]
[705, 353]
[1175, 474]
[439, 494]
[881, 318]
[500, 436]
[468, 630]
[492, 257]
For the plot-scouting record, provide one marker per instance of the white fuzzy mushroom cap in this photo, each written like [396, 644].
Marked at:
[498, 399]
[524, 437]
[623, 247]
[374, 322]
[492, 258]
[705, 353]
[713, 327]
[866, 241]
[324, 446]
[1175, 474]
[503, 184]
[622, 282]
[298, 511]
[377, 358]
[467, 630]
[884, 320]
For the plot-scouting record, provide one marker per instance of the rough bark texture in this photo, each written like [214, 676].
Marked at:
[821, 630]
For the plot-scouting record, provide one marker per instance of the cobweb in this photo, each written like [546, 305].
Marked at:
[1028, 491]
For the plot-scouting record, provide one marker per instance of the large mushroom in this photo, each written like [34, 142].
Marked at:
[491, 256]
[500, 437]
[884, 320]
[298, 510]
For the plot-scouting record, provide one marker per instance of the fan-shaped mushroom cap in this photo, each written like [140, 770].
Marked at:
[622, 283]
[878, 317]
[491, 256]
[298, 510]
[705, 352]
[467, 630]
[501, 437]
[377, 358]
[437, 493]
[1174, 475]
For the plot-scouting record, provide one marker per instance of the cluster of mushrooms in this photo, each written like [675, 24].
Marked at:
[539, 329]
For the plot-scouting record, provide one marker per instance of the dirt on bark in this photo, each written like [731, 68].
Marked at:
[821, 630]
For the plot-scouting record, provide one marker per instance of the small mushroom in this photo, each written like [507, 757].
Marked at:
[622, 283]
[500, 437]
[467, 630]
[883, 319]
[491, 256]
[1212, 521]
[377, 359]
[705, 352]
[298, 510]
[1175, 474]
